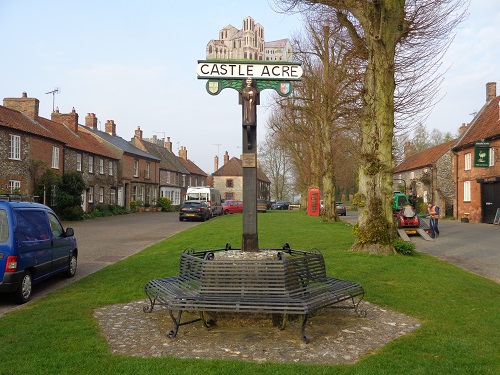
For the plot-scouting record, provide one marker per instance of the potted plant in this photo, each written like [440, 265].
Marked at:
[147, 207]
[140, 206]
[133, 206]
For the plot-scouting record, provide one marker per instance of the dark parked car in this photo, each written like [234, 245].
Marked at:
[194, 210]
[341, 210]
[281, 205]
[33, 247]
[232, 207]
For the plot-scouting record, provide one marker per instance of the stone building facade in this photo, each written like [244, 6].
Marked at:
[428, 174]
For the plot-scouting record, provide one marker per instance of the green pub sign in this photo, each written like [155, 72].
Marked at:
[482, 154]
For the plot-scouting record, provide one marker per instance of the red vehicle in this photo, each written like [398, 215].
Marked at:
[232, 207]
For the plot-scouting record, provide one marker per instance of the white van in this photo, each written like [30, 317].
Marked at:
[207, 194]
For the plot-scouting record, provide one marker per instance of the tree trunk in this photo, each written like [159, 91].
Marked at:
[375, 228]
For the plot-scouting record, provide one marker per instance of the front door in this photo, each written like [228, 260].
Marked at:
[490, 200]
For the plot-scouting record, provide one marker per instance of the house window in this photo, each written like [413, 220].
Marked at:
[14, 186]
[147, 170]
[110, 168]
[134, 193]
[136, 168]
[15, 147]
[101, 166]
[468, 161]
[412, 175]
[492, 156]
[79, 162]
[184, 180]
[229, 196]
[55, 157]
[229, 183]
[91, 164]
[466, 191]
[101, 195]
[91, 194]
[168, 177]
[112, 196]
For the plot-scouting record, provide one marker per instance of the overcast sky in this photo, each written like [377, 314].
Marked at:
[134, 62]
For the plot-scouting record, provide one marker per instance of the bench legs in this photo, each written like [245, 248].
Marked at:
[177, 322]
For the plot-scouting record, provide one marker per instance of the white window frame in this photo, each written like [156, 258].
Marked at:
[91, 194]
[55, 157]
[79, 162]
[110, 168]
[112, 196]
[467, 191]
[101, 166]
[412, 175]
[15, 147]
[468, 161]
[168, 177]
[101, 195]
[136, 168]
[91, 164]
[13, 185]
[492, 156]
[147, 170]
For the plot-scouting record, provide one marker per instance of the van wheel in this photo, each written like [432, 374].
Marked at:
[23, 293]
[72, 266]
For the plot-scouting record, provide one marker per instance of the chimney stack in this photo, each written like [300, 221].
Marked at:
[408, 150]
[491, 91]
[226, 158]
[168, 144]
[216, 163]
[110, 127]
[91, 121]
[68, 119]
[138, 133]
[25, 105]
[183, 152]
[462, 128]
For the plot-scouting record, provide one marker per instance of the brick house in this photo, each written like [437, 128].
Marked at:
[24, 145]
[138, 171]
[428, 174]
[34, 144]
[476, 170]
[228, 179]
[172, 172]
[84, 153]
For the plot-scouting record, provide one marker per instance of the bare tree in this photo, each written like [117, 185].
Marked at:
[393, 36]
[321, 110]
[277, 166]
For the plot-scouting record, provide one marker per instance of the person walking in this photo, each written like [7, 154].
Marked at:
[433, 211]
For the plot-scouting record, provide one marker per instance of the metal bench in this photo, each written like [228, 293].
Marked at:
[294, 282]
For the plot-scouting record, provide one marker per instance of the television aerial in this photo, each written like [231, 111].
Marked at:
[57, 90]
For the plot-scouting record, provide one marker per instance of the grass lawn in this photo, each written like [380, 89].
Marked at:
[459, 311]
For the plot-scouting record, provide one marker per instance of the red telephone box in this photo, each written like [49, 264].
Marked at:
[313, 202]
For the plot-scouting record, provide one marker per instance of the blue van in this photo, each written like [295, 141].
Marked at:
[33, 247]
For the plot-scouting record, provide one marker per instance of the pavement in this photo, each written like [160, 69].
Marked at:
[474, 247]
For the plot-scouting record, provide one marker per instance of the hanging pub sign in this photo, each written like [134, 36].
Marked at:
[482, 154]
